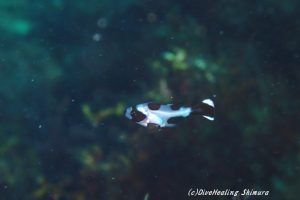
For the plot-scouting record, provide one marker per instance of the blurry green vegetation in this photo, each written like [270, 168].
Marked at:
[18, 164]
[98, 117]
[93, 160]
[63, 94]
[177, 59]
[14, 24]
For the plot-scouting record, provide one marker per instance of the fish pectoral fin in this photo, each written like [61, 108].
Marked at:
[152, 125]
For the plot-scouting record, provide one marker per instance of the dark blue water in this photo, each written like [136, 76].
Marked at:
[69, 69]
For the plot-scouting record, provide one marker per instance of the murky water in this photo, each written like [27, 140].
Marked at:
[69, 69]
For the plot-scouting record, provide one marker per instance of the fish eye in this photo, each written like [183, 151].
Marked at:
[136, 115]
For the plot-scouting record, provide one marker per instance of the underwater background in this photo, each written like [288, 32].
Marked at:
[69, 69]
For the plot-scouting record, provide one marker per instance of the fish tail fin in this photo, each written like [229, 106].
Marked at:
[206, 108]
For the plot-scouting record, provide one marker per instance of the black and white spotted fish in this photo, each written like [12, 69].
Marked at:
[159, 115]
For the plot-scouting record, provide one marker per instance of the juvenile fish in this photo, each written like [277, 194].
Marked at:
[155, 114]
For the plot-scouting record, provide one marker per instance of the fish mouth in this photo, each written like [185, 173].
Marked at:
[127, 113]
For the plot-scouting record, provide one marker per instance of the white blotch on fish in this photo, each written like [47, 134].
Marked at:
[158, 115]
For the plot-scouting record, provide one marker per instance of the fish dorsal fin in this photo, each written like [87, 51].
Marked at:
[209, 102]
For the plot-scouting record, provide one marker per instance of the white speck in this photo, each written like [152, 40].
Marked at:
[113, 178]
[97, 37]
[102, 22]
[146, 196]
[32, 80]
[73, 100]
[5, 186]
[40, 126]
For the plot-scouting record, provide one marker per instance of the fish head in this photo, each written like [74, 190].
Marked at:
[135, 114]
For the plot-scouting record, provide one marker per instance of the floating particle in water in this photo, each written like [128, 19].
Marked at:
[97, 37]
[200, 31]
[40, 126]
[152, 17]
[146, 197]
[102, 22]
